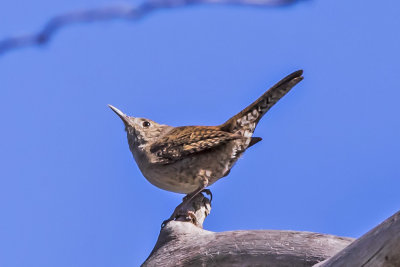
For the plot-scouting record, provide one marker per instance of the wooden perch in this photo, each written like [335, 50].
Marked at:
[182, 243]
[378, 247]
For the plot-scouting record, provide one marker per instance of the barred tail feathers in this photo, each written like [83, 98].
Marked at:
[245, 122]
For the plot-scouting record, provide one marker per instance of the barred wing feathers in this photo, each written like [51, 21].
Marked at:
[186, 140]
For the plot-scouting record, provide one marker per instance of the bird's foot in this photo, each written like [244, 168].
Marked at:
[180, 210]
[188, 216]
[208, 193]
[191, 204]
[187, 197]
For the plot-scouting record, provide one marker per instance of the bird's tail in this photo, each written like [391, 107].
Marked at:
[245, 122]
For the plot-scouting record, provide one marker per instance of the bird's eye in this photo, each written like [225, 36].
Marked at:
[146, 124]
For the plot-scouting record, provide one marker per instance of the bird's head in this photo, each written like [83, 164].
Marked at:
[140, 131]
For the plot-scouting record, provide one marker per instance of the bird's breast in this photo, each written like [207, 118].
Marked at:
[185, 175]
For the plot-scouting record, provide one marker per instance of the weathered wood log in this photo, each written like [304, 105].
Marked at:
[182, 243]
[378, 247]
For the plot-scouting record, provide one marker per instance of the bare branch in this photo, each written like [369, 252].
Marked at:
[183, 242]
[378, 247]
[123, 12]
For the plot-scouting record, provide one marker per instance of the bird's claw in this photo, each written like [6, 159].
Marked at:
[208, 193]
[188, 215]
[182, 212]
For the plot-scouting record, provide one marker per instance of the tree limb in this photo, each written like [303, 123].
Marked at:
[125, 12]
[182, 243]
[378, 247]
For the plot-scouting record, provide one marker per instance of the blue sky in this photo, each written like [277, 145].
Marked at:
[70, 192]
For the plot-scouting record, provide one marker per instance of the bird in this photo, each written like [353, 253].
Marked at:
[188, 159]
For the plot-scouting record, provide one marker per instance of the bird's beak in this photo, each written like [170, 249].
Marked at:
[123, 117]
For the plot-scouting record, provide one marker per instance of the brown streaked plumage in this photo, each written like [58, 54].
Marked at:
[183, 141]
[187, 159]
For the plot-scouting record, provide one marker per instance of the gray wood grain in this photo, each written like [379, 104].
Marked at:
[182, 243]
[378, 247]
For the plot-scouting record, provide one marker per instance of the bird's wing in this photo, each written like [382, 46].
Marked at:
[187, 140]
[246, 121]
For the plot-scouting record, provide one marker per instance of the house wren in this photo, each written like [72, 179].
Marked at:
[187, 159]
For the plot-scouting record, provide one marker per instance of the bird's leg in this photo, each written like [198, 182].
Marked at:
[181, 208]
[192, 195]
[188, 196]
